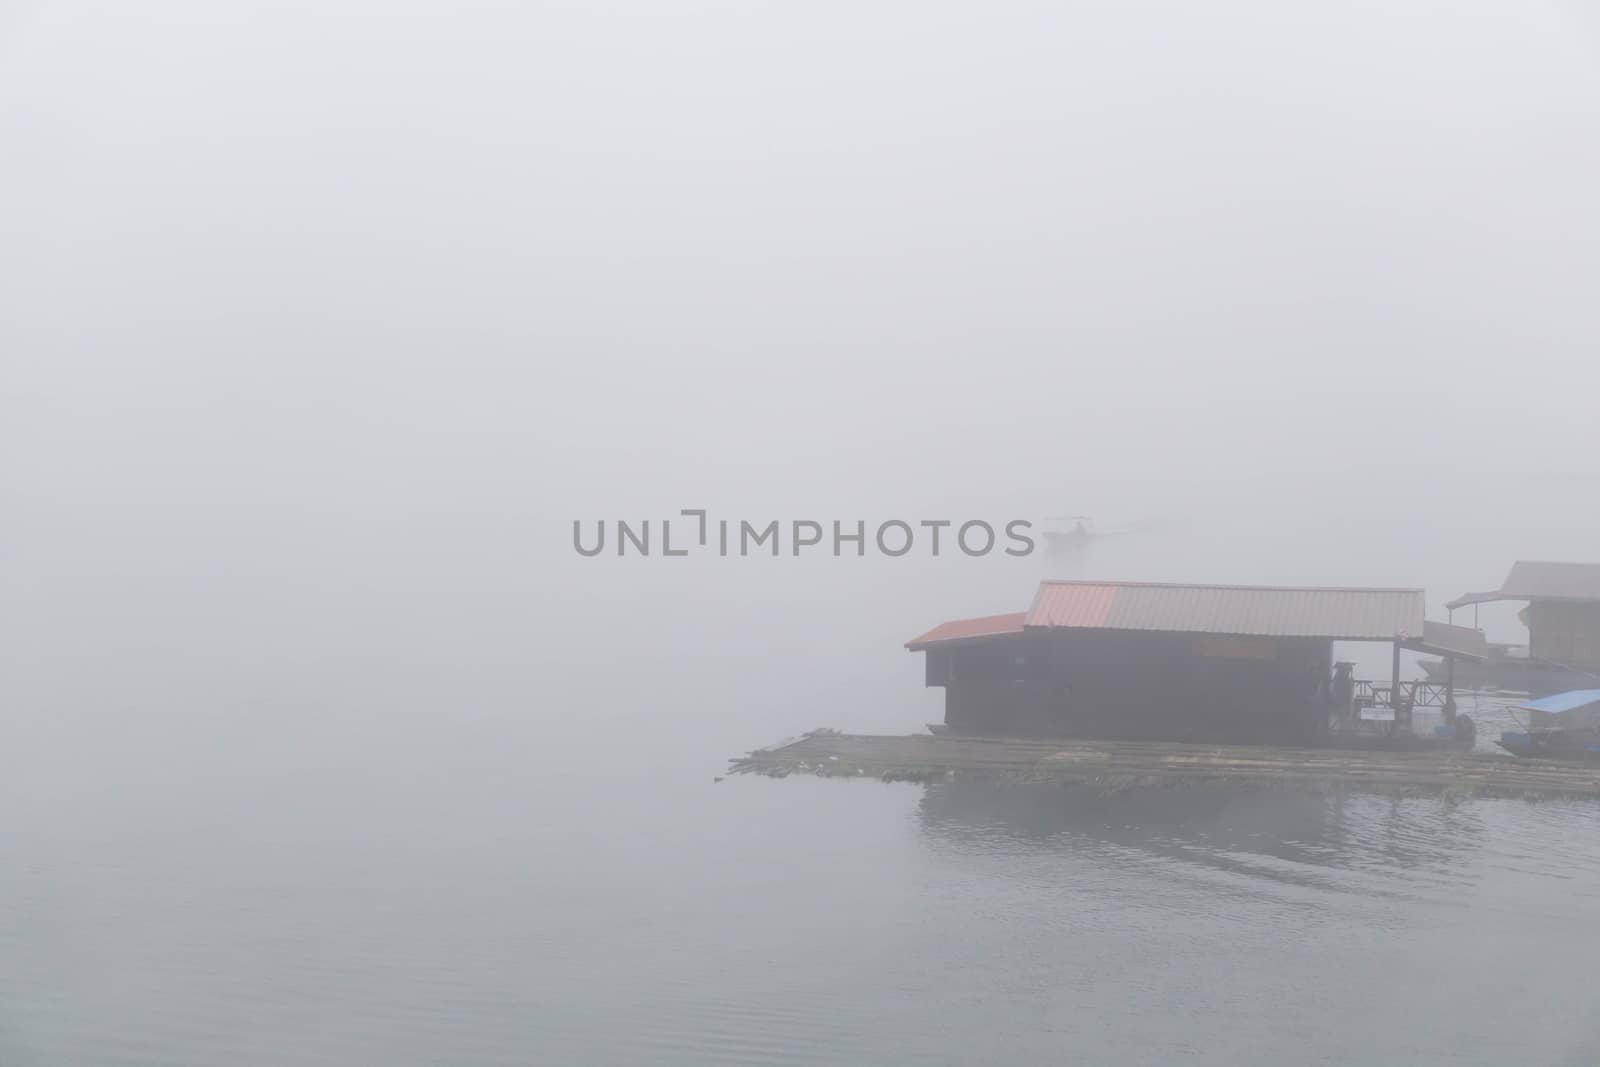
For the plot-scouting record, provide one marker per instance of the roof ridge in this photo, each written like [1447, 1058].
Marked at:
[1228, 585]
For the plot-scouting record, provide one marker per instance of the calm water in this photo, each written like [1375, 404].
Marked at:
[467, 889]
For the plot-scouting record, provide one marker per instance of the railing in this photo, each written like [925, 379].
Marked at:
[1412, 694]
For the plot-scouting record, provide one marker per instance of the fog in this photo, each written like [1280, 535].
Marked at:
[322, 326]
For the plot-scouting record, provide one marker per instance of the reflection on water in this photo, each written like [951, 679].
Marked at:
[1330, 840]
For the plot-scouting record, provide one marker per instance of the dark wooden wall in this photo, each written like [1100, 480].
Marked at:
[1136, 685]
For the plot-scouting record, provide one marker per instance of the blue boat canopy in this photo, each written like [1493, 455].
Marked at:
[1571, 700]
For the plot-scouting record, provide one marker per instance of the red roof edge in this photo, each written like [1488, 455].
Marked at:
[969, 629]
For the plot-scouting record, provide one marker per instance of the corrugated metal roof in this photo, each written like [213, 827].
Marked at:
[1267, 611]
[1533, 580]
[1076, 604]
[967, 629]
[1563, 702]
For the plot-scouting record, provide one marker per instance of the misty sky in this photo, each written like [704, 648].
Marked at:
[320, 323]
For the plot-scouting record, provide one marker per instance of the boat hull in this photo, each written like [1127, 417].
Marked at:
[1583, 745]
[1522, 676]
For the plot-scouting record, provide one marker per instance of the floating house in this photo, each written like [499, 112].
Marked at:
[1563, 620]
[1147, 661]
[1563, 614]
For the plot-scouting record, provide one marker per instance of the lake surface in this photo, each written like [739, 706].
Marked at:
[432, 887]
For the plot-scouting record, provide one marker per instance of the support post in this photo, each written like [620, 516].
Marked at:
[1394, 689]
[1450, 690]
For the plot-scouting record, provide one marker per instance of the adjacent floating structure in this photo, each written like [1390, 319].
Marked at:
[1563, 620]
[1178, 662]
[1118, 765]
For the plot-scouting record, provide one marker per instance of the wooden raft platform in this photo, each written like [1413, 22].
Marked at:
[1122, 764]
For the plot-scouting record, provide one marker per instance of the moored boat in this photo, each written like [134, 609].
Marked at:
[1561, 726]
